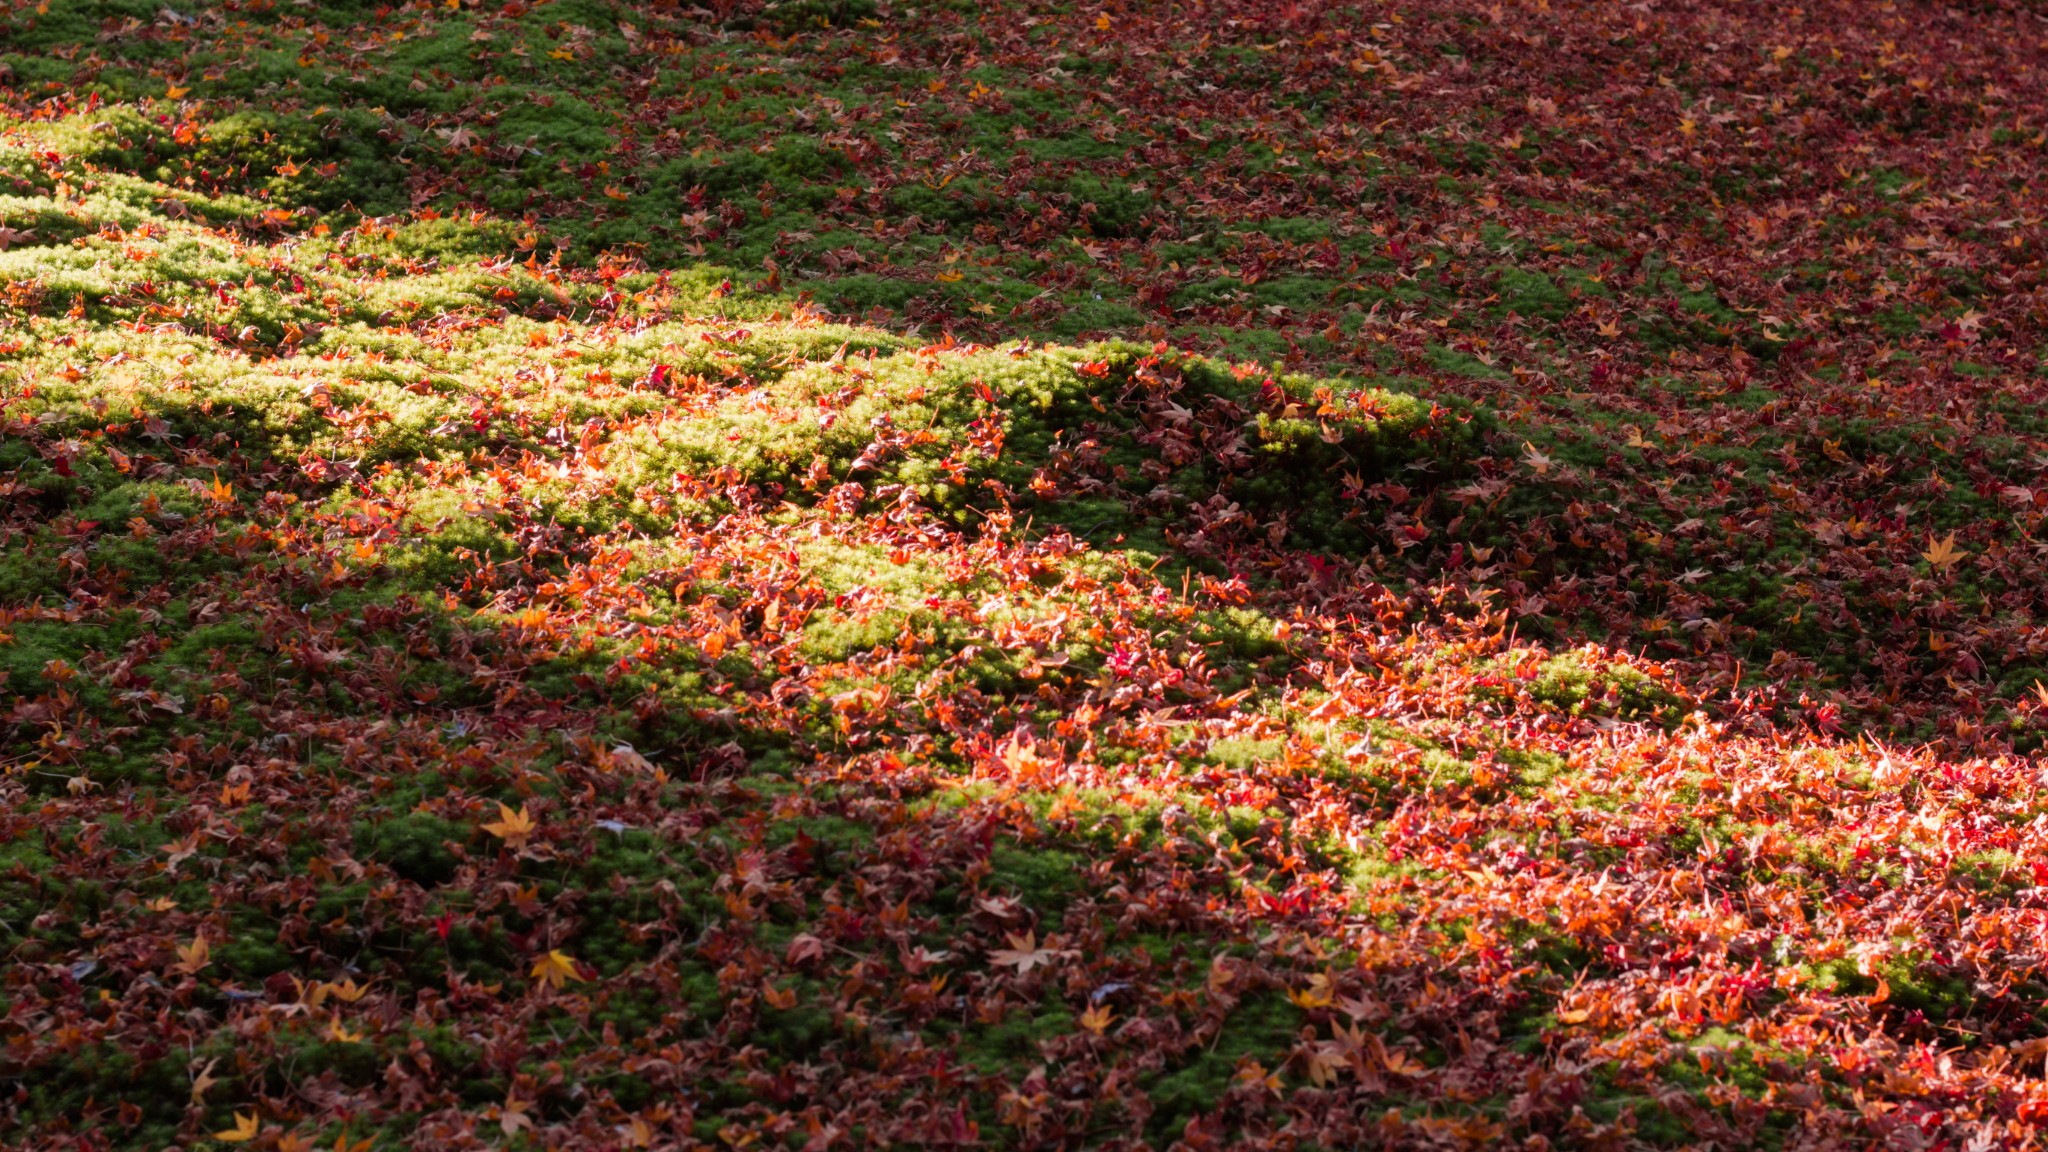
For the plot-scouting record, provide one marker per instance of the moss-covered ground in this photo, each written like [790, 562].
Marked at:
[837, 573]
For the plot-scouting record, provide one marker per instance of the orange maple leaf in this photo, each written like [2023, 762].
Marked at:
[1097, 1018]
[514, 828]
[556, 969]
[192, 957]
[1942, 553]
[1318, 994]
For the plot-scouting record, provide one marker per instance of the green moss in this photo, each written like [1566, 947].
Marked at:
[1066, 417]
[415, 845]
[1044, 878]
[1010, 1047]
[1574, 684]
[1261, 1028]
[1535, 768]
[69, 1082]
[1242, 753]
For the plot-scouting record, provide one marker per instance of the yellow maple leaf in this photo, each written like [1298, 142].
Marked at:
[173, 92]
[203, 1080]
[1097, 1018]
[244, 1129]
[1319, 994]
[1942, 553]
[512, 827]
[1399, 1064]
[192, 957]
[556, 969]
[348, 991]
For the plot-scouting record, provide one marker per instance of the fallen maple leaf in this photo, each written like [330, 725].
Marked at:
[244, 1129]
[1024, 953]
[556, 969]
[1325, 1063]
[1097, 1018]
[1399, 1063]
[635, 1132]
[626, 757]
[1254, 1073]
[204, 1079]
[348, 991]
[512, 1118]
[1020, 755]
[1941, 553]
[192, 957]
[1318, 994]
[512, 827]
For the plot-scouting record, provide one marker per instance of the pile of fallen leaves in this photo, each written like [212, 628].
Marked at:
[836, 574]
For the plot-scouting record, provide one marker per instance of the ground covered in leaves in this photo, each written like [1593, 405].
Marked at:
[849, 574]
